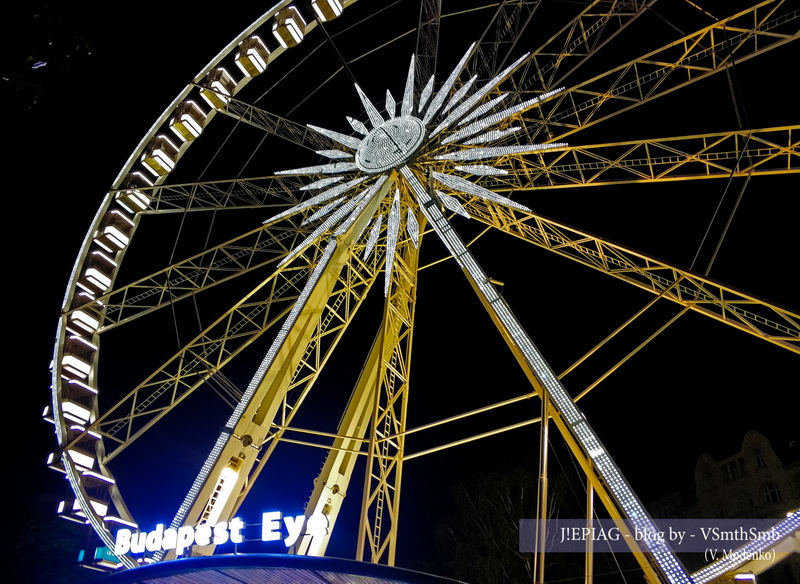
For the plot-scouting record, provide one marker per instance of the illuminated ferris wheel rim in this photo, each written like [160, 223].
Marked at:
[112, 238]
[125, 192]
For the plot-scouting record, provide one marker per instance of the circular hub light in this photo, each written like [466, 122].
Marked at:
[391, 144]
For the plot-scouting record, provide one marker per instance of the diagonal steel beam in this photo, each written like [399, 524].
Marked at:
[688, 60]
[744, 312]
[430, 18]
[765, 151]
[246, 193]
[276, 125]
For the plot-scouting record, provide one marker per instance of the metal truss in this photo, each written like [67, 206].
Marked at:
[380, 507]
[565, 51]
[245, 253]
[430, 18]
[621, 503]
[276, 125]
[692, 58]
[266, 192]
[324, 308]
[330, 487]
[314, 298]
[495, 46]
[746, 313]
[200, 359]
[717, 155]
[355, 281]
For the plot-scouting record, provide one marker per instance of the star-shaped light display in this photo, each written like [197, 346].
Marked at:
[441, 138]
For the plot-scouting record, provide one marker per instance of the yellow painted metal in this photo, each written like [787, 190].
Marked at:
[760, 152]
[330, 487]
[180, 375]
[380, 507]
[354, 283]
[258, 248]
[696, 56]
[252, 431]
[741, 311]
[716, 155]
[264, 192]
[586, 34]
[385, 382]
[612, 507]
[207, 353]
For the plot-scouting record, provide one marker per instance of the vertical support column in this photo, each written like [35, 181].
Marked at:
[377, 537]
[330, 487]
[589, 574]
[541, 524]
[235, 452]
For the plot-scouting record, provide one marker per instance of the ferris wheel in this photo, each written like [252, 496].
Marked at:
[329, 188]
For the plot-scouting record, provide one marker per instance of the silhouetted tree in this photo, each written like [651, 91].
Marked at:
[480, 543]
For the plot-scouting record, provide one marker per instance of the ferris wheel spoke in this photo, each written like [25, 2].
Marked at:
[719, 155]
[746, 313]
[327, 246]
[430, 19]
[200, 359]
[276, 125]
[617, 496]
[265, 245]
[743, 36]
[495, 46]
[268, 192]
[578, 41]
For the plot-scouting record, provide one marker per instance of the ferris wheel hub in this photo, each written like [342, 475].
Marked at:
[390, 144]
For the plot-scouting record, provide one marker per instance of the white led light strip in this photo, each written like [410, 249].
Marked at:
[630, 506]
[224, 436]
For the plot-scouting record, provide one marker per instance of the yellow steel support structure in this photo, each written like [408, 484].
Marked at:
[746, 313]
[317, 295]
[267, 192]
[198, 360]
[694, 57]
[201, 358]
[717, 155]
[325, 306]
[260, 247]
[378, 407]
[587, 33]
[330, 487]
[760, 152]
[377, 538]
[611, 488]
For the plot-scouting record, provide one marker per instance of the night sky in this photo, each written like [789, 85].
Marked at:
[697, 388]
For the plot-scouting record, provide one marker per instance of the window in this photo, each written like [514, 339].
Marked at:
[759, 456]
[733, 470]
[719, 511]
[771, 493]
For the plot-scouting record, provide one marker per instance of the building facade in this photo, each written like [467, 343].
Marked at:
[754, 483]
